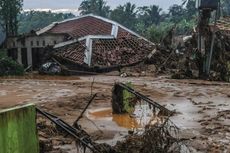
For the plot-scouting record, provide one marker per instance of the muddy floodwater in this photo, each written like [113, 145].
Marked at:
[202, 107]
[141, 117]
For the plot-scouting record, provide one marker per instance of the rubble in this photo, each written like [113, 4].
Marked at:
[50, 68]
[157, 138]
[120, 52]
[107, 54]
[164, 134]
[185, 61]
[163, 131]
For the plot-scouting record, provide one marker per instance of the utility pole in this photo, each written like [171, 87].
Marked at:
[205, 10]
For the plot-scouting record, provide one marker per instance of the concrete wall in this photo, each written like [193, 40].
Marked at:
[31, 42]
[18, 132]
[50, 40]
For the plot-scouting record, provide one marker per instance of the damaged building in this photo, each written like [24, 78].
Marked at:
[82, 43]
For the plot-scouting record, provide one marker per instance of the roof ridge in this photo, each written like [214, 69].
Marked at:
[49, 27]
[52, 25]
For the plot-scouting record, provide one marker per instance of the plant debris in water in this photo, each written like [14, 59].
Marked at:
[157, 138]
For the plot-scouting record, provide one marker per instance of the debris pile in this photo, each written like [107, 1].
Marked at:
[123, 51]
[50, 68]
[165, 135]
[72, 52]
[185, 61]
[81, 137]
[106, 53]
[46, 132]
[164, 59]
[157, 138]
[221, 58]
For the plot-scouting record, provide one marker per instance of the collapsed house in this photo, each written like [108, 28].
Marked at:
[85, 43]
[185, 61]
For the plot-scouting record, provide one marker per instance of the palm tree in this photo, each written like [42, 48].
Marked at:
[150, 14]
[125, 15]
[97, 7]
[130, 9]
[154, 13]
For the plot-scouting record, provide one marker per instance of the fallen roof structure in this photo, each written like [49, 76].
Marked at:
[98, 42]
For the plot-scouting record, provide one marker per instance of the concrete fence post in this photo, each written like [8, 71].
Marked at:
[18, 132]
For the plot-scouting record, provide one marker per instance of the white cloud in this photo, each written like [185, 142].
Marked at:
[74, 11]
[72, 4]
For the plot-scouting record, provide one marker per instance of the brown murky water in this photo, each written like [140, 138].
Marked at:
[124, 120]
[137, 120]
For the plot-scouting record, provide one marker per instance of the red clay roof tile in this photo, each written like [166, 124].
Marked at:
[82, 27]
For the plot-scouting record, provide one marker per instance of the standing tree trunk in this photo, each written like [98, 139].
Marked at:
[9, 10]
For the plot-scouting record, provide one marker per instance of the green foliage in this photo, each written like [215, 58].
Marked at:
[126, 15]
[3, 53]
[9, 66]
[185, 26]
[97, 7]
[177, 12]
[182, 17]
[9, 10]
[140, 28]
[127, 100]
[149, 15]
[35, 20]
[149, 21]
[155, 33]
[190, 9]
[18, 132]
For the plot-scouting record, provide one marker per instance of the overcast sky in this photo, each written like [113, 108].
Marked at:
[65, 5]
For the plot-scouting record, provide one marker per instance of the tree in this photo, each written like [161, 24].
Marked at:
[176, 12]
[155, 33]
[34, 20]
[225, 6]
[150, 14]
[9, 10]
[126, 15]
[190, 9]
[97, 7]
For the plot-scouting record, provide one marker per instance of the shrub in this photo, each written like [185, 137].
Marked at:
[9, 66]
